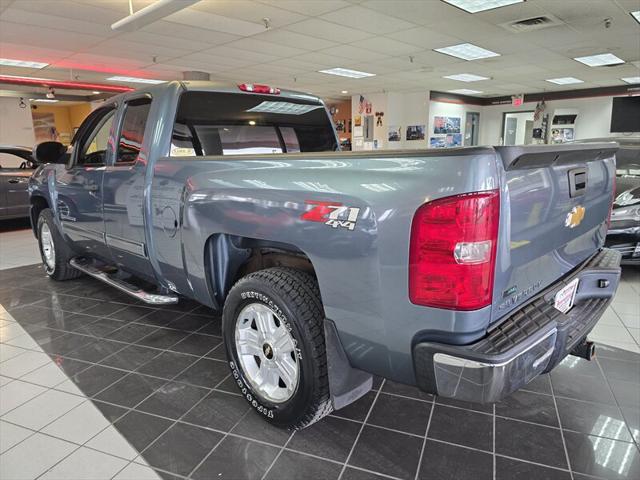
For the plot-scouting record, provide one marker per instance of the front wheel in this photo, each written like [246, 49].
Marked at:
[54, 251]
[273, 328]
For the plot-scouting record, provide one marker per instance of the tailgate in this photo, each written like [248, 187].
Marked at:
[555, 204]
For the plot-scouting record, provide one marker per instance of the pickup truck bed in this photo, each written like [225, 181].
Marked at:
[443, 269]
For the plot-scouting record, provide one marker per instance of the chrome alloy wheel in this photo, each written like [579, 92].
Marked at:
[267, 353]
[48, 250]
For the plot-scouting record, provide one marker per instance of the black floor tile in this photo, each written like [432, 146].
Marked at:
[167, 364]
[66, 343]
[131, 390]
[594, 418]
[229, 385]
[607, 351]
[399, 413]
[197, 344]
[160, 318]
[68, 303]
[572, 365]
[96, 351]
[528, 406]
[453, 425]
[290, 465]
[131, 357]
[476, 407]
[131, 313]
[330, 438]
[162, 338]
[110, 412]
[218, 353]
[581, 387]
[189, 323]
[141, 429]
[449, 462]
[602, 457]
[204, 373]
[406, 390]
[627, 394]
[18, 297]
[255, 427]
[357, 410]
[212, 328]
[172, 400]
[131, 332]
[181, 448]
[632, 417]
[99, 328]
[351, 473]
[104, 309]
[218, 410]
[509, 469]
[237, 459]
[96, 378]
[70, 366]
[387, 452]
[621, 370]
[533, 443]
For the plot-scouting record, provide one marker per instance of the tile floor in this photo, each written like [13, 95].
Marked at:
[93, 385]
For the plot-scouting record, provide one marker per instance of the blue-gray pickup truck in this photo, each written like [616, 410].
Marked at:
[466, 272]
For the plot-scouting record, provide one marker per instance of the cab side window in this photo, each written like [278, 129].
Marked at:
[132, 132]
[93, 147]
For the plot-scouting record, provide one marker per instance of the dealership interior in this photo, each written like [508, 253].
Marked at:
[138, 265]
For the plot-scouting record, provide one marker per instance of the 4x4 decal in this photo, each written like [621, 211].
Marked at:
[333, 214]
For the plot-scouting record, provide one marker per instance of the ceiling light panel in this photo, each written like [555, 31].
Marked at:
[467, 51]
[636, 15]
[135, 80]
[466, 77]
[564, 80]
[631, 80]
[475, 6]
[10, 62]
[465, 91]
[600, 60]
[346, 72]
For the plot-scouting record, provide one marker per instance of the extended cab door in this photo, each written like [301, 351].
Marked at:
[79, 186]
[124, 183]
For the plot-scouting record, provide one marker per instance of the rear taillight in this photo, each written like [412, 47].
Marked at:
[257, 88]
[453, 251]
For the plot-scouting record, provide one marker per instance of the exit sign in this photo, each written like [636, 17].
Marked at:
[517, 100]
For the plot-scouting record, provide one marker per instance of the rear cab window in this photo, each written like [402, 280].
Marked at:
[216, 123]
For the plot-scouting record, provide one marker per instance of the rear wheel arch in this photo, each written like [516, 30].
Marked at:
[38, 204]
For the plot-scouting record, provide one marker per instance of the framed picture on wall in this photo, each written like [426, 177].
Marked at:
[446, 124]
[395, 134]
[415, 132]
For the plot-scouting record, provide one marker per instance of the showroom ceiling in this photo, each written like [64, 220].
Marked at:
[395, 40]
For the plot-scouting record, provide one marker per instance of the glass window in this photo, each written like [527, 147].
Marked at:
[132, 133]
[94, 148]
[213, 123]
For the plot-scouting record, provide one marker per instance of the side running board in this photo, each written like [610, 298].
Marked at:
[122, 285]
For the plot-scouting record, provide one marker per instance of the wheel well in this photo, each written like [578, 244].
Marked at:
[230, 257]
[38, 204]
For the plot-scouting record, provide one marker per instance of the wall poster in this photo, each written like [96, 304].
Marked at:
[395, 133]
[415, 132]
[446, 125]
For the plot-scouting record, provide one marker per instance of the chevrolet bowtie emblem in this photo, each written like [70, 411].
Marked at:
[574, 217]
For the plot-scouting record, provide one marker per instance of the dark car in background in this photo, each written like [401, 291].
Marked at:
[14, 181]
[624, 231]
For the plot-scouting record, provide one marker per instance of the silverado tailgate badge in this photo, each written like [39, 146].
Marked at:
[333, 214]
[574, 217]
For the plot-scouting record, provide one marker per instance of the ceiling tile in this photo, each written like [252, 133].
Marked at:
[287, 38]
[425, 38]
[250, 11]
[176, 30]
[386, 46]
[56, 22]
[267, 48]
[323, 29]
[211, 21]
[368, 20]
[45, 37]
[354, 53]
[309, 7]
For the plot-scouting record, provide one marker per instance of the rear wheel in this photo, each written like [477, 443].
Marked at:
[54, 251]
[273, 332]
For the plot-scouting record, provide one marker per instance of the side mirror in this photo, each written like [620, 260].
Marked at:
[50, 152]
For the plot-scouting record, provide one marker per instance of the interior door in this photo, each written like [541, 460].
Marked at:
[79, 186]
[124, 183]
[510, 127]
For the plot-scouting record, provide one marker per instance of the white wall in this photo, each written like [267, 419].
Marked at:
[16, 128]
[445, 109]
[594, 118]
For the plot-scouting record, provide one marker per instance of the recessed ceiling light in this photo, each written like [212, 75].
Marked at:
[464, 91]
[346, 72]
[10, 62]
[600, 60]
[44, 100]
[636, 15]
[564, 80]
[467, 51]
[466, 77]
[344, 92]
[475, 6]
[631, 80]
[135, 80]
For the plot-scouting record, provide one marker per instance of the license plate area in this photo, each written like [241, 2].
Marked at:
[565, 297]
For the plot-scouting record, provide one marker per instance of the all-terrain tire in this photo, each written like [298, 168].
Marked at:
[295, 298]
[60, 268]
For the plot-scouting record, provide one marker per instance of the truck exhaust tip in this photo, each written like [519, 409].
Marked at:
[585, 349]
